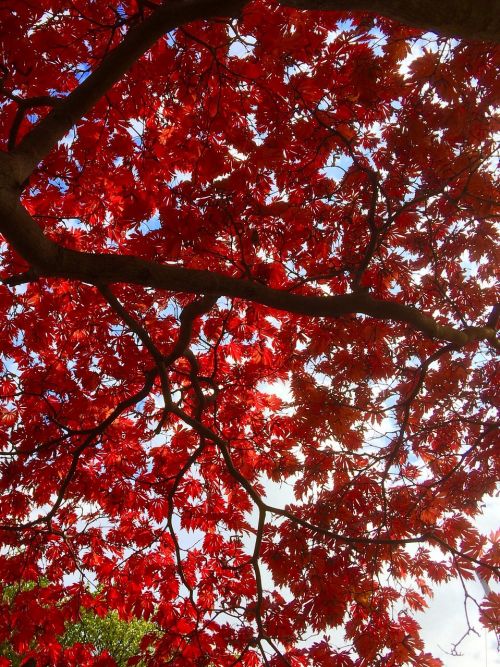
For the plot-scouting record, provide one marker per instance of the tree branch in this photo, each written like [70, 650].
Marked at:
[37, 143]
[75, 457]
[471, 19]
[468, 19]
[48, 259]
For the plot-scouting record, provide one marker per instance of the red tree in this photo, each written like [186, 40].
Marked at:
[196, 211]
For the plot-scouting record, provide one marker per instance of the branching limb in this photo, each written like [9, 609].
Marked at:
[265, 507]
[188, 316]
[49, 259]
[75, 458]
[37, 143]
[146, 340]
[132, 323]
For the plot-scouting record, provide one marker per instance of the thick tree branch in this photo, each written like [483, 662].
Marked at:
[471, 19]
[47, 133]
[468, 19]
[48, 259]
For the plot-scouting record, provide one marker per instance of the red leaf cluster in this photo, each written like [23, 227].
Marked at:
[248, 351]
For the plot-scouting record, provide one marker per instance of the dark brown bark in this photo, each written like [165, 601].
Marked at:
[47, 258]
[467, 19]
[471, 19]
[44, 137]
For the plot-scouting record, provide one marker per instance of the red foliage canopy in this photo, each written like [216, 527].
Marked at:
[248, 328]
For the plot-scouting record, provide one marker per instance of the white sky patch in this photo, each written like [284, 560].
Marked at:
[135, 129]
[241, 45]
[234, 152]
[444, 622]
[426, 43]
